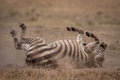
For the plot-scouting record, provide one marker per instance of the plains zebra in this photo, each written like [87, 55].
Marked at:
[40, 53]
[97, 56]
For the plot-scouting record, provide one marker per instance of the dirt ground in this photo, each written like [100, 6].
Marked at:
[49, 19]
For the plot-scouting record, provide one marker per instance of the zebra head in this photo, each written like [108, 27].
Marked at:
[99, 54]
[101, 48]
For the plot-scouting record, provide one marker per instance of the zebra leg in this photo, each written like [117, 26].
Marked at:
[103, 45]
[16, 42]
[79, 37]
[23, 28]
[92, 45]
[93, 36]
[75, 30]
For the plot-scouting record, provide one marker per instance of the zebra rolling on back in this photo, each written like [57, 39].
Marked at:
[97, 57]
[40, 53]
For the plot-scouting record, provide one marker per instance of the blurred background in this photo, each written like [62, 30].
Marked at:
[49, 18]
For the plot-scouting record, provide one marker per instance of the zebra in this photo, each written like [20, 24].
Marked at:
[97, 58]
[40, 53]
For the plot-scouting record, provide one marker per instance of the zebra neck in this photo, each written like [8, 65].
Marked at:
[87, 51]
[100, 50]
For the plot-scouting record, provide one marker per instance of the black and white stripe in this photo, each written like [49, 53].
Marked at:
[99, 55]
[35, 48]
[40, 53]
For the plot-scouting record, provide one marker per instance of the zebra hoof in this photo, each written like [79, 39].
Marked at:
[13, 33]
[73, 29]
[103, 45]
[68, 28]
[22, 25]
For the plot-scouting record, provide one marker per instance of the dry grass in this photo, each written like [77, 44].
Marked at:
[58, 74]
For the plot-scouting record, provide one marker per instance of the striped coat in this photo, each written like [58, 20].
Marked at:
[39, 53]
